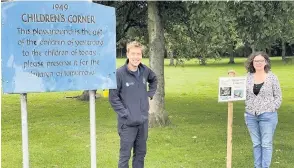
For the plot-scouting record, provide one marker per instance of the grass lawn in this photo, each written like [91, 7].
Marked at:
[59, 134]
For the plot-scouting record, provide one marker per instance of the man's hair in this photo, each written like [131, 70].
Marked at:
[249, 63]
[133, 44]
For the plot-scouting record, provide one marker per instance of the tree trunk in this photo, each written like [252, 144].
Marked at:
[246, 49]
[85, 95]
[283, 50]
[157, 114]
[232, 56]
[269, 50]
[171, 61]
[253, 48]
[202, 61]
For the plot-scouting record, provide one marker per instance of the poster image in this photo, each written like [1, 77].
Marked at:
[232, 89]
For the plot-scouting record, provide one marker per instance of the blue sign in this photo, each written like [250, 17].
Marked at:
[57, 46]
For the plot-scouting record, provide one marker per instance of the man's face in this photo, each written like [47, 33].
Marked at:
[135, 56]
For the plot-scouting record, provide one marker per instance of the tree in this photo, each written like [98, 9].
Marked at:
[172, 13]
[284, 17]
[255, 22]
[157, 114]
[128, 15]
[206, 28]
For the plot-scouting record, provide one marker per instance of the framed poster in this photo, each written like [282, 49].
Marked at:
[232, 89]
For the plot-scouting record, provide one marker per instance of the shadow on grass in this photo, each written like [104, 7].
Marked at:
[202, 111]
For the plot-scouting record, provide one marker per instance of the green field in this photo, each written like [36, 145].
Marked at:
[59, 127]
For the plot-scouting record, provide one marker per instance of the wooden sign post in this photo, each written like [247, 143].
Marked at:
[231, 73]
[231, 89]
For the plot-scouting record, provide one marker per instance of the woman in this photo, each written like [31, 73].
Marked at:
[263, 99]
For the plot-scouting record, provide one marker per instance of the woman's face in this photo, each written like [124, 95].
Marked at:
[259, 63]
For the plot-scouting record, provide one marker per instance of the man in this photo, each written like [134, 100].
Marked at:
[130, 102]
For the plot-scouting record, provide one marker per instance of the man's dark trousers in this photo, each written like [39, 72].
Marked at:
[132, 137]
